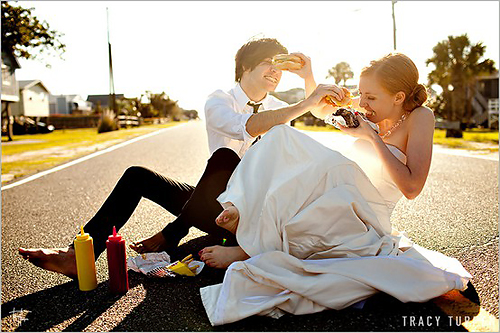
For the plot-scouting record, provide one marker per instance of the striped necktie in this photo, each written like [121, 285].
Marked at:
[256, 107]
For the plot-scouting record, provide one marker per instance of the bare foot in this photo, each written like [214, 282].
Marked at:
[222, 256]
[56, 260]
[229, 219]
[154, 243]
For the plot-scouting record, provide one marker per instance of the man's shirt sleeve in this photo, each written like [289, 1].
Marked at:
[221, 117]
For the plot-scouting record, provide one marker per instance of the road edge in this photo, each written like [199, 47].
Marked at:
[87, 157]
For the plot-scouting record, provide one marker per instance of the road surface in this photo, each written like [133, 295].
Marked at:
[457, 214]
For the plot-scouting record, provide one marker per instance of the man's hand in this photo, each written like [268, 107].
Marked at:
[306, 71]
[317, 99]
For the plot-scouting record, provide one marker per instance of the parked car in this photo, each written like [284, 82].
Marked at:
[24, 125]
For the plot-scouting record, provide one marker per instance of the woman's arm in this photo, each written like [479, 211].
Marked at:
[410, 178]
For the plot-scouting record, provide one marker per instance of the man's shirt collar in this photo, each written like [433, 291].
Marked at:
[242, 98]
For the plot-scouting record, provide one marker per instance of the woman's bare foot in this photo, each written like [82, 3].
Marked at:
[229, 218]
[222, 256]
[56, 260]
[156, 243]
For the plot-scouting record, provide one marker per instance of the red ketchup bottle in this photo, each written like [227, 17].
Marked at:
[117, 263]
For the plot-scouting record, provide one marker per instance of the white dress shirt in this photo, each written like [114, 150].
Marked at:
[226, 116]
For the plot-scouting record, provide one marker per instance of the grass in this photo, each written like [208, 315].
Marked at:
[63, 140]
[72, 138]
[470, 140]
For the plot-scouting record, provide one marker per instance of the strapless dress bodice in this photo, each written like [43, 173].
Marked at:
[363, 153]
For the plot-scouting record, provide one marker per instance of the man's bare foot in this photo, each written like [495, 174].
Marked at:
[222, 256]
[56, 260]
[229, 219]
[156, 243]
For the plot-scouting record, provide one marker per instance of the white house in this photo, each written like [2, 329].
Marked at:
[33, 99]
[10, 89]
[69, 104]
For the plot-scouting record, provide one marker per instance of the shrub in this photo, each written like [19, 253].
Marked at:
[108, 122]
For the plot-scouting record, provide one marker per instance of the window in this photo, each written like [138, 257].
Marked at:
[5, 76]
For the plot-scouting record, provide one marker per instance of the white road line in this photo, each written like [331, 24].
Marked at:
[84, 158]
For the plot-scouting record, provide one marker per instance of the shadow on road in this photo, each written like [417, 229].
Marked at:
[55, 305]
[174, 304]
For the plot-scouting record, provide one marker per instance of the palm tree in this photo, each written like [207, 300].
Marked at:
[458, 65]
[341, 72]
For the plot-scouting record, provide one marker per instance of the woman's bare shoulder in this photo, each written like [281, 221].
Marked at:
[422, 114]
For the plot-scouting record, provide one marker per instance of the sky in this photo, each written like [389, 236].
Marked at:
[186, 49]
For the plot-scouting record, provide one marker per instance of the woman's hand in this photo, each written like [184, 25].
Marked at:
[363, 131]
[306, 70]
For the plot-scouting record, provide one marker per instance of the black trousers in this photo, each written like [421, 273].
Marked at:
[193, 206]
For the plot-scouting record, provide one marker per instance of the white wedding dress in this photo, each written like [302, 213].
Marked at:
[317, 227]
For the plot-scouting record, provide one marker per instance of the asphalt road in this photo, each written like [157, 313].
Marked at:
[457, 214]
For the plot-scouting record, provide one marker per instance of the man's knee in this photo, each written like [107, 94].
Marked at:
[135, 173]
[224, 157]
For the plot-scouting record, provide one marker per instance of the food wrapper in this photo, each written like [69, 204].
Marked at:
[347, 118]
[157, 264]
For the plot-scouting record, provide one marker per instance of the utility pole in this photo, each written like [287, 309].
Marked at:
[394, 23]
[112, 97]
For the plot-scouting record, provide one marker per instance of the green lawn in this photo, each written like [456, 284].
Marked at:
[62, 140]
[72, 138]
[467, 142]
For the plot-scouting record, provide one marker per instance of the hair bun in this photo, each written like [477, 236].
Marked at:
[417, 97]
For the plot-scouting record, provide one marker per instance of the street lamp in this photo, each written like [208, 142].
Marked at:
[394, 23]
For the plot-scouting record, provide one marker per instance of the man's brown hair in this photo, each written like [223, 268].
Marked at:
[254, 52]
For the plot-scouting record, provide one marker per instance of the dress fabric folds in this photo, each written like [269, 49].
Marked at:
[317, 228]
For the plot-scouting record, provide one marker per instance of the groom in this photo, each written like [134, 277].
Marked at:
[234, 120]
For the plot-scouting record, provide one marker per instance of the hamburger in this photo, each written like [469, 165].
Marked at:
[346, 101]
[287, 62]
[347, 118]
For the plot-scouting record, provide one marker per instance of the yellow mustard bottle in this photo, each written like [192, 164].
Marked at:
[85, 261]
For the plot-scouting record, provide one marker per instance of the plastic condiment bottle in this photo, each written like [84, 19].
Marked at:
[85, 261]
[117, 263]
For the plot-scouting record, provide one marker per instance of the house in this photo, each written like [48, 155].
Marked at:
[69, 104]
[102, 100]
[290, 96]
[10, 90]
[33, 99]
[485, 101]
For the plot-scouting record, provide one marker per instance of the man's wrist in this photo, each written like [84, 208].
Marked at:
[304, 105]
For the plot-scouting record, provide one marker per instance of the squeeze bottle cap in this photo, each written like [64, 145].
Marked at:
[83, 236]
[115, 237]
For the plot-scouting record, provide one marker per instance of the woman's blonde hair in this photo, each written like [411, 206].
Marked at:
[396, 72]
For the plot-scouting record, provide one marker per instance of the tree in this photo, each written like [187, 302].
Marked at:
[25, 36]
[341, 72]
[458, 65]
[163, 104]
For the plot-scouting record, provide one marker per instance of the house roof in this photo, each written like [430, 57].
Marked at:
[493, 75]
[104, 99]
[13, 59]
[26, 84]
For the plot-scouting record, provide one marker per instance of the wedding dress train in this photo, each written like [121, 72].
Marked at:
[316, 225]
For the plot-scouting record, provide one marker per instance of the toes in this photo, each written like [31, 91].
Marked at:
[137, 247]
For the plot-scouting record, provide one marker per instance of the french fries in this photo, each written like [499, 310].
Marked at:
[182, 267]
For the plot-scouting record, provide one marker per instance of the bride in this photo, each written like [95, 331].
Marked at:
[315, 222]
